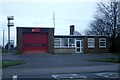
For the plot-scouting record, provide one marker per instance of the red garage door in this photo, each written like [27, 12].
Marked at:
[35, 42]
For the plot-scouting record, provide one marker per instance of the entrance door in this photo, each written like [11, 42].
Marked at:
[79, 46]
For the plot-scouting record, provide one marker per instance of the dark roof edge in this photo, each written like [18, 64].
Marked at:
[34, 27]
[77, 36]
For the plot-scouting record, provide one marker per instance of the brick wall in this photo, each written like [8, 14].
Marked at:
[96, 49]
[64, 50]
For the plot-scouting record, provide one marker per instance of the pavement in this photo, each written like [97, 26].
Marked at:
[46, 65]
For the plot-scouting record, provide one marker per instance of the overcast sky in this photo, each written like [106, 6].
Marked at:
[40, 14]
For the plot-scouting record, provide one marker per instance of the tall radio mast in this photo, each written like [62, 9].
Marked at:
[53, 14]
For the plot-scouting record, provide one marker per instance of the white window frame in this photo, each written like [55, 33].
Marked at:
[69, 42]
[60, 42]
[61, 46]
[92, 42]
[102, 41]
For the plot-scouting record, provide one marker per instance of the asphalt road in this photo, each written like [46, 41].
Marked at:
[111, 75]
[47, 65]
[47, 60]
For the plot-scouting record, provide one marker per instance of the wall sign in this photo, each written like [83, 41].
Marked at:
[35, 30]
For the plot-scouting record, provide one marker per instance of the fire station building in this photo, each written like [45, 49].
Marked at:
[34, 39]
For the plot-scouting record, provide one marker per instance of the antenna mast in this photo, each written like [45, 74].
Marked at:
[53, 15]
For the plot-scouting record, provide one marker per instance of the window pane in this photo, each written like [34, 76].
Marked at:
[91, 42]
[78, 44]
[82, 49]
[44, 45]
[78, 49]
[64, 42]
[57, 42]
[71, 42]
[102, 39]
[38, 45]
[102, 43]
[82, 43]
[30, 45]
[91, 39]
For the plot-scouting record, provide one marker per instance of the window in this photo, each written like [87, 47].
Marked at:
[57, 42]
[64, 42]
[71, 42]
[102, 42]
[29, 45]
[43, 45]
[37, 45]
[91, 42]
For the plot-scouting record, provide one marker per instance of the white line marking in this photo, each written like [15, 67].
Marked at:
[74, 74]
[14, 77]
[71, 77]
[99, 74]
[58, 76]
[55, 76]
[107, 75]
[84, 76]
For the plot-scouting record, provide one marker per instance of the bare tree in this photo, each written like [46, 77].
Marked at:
[106, 22]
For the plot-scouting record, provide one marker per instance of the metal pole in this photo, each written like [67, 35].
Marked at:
[8, 36]
[3, 40]
[54, 15]
[9, 25]
[54, 19]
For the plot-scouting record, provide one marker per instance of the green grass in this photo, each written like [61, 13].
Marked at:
[7, 63]
[114, 60]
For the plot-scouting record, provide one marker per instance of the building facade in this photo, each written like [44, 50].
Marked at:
[31, 39]
[81, 44]
[35, 40]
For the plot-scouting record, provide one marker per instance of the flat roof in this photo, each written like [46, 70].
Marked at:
[74, 36]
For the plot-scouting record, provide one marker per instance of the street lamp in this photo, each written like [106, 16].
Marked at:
[9, 25]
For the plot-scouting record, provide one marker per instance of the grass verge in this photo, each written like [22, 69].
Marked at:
[114, 60]
[7, 63]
